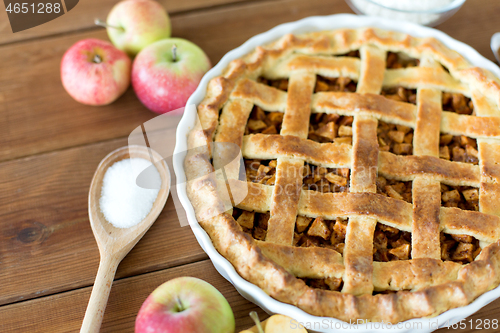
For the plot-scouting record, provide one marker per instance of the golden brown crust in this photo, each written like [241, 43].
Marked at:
[365, 155]
[483, 226]
[232, 121]
[425, 224]
[311, 262]
[285, 201]
[298, 105]
[358, 256]
[427, 192]
[266, 97]
[374, 105]
[435, 286]
[372, 70]
[272, 146]
[428, 123]
[408, 167]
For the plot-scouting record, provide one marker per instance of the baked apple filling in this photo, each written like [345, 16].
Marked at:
[330, 128]
[320, 232]
[458, 148]
[263, 122]
[281, 84]
[457, 103]
[394, 188]
[459, 248]
[397, 139]
[344, 84]
[352, 54]
[391, 244]
[332, 283]
[254, 224]
[400, 94]
[261, 171]
[309, 232]
[463, 197]
[400, 60]
[317, 178]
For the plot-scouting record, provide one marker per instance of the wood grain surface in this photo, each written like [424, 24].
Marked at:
[83, 15]
[49, 119]
[51, 145]
[63, 312]
[46, 242]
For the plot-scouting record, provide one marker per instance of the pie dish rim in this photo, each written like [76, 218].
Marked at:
[316, 23]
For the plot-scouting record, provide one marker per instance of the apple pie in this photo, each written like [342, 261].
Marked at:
[370, 171]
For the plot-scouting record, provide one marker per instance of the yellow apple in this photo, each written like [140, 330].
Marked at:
[283, 324]
[278, 324]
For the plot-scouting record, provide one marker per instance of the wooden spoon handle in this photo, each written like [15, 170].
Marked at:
[100, 293]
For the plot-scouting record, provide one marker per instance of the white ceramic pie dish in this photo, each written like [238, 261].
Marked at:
[224, 267]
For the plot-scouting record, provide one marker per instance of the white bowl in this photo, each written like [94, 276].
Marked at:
[224, 267]
[495, 45]
[395, 11]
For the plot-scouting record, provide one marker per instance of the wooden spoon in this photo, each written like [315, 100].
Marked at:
[115, 243]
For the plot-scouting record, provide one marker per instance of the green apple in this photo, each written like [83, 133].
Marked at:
[134, 24]
[187, 305]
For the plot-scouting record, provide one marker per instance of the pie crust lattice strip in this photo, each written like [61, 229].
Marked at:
[422, 285]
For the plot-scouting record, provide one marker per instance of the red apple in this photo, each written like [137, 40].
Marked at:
[134, 24]
[167, 72]
[187, 305]
[94, 72]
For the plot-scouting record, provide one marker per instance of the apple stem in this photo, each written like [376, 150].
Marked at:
[255, 318]
[97, 59]
[104, 24]
[179, 305]
[174, 53]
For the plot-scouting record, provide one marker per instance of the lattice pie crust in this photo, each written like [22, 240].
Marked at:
[418, 183]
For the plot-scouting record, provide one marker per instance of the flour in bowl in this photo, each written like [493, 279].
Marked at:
[372, 9]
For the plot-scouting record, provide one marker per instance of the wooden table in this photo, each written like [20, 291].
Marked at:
[51, 145]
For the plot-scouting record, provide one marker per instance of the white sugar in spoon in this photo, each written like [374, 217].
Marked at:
[115, 243]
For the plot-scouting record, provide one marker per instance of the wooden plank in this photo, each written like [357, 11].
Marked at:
[37, 115]
[46, 243]
[64, 312]
[83, 15]
[227, 28]
[222, 30]
[474, 24]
